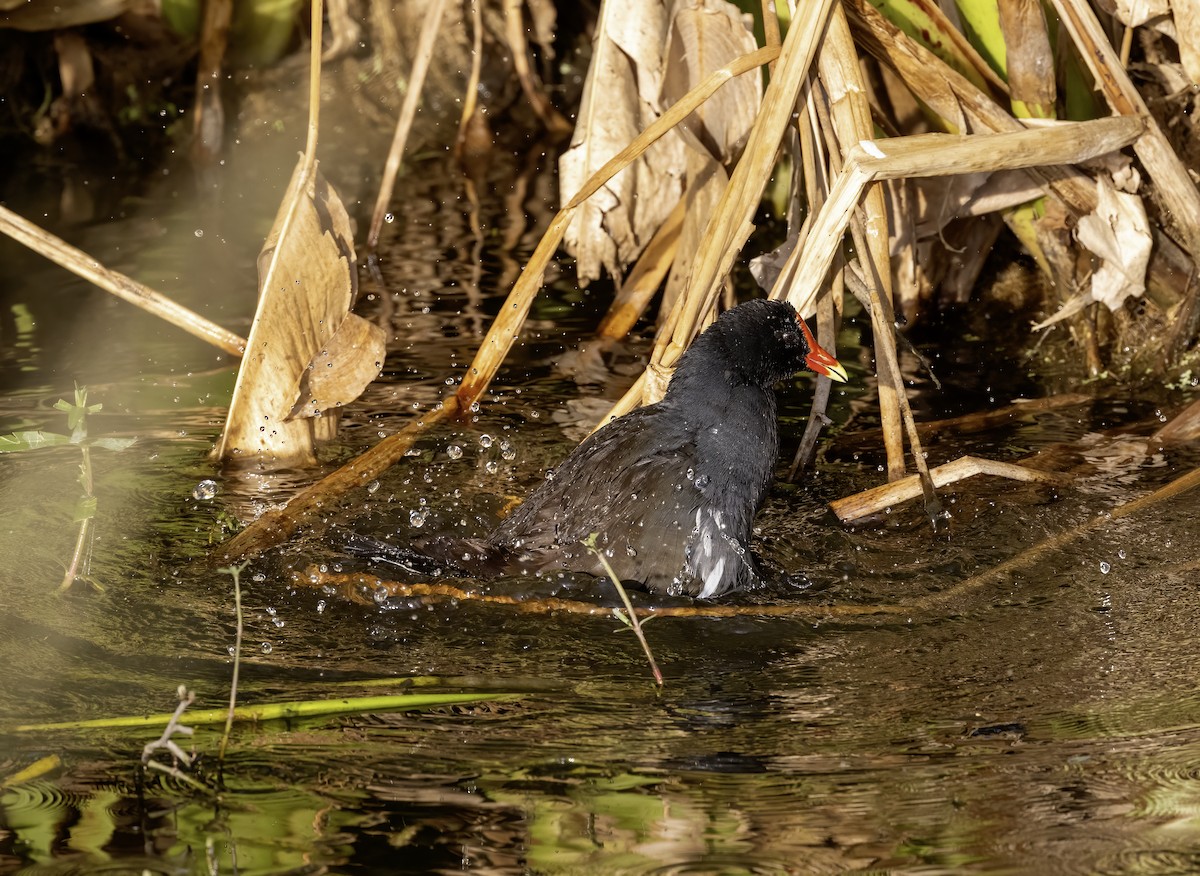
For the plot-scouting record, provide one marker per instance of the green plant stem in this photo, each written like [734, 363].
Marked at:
[634, 623]
[236, 572]
[83, 541]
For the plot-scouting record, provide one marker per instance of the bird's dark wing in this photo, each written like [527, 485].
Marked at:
[636, 487]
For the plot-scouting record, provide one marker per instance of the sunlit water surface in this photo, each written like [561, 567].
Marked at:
[1046, 721]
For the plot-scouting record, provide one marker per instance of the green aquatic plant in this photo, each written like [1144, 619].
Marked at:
[85, 508]
[628, 616]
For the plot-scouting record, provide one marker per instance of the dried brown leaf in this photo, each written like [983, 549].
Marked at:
[306, 290]
[343, 368]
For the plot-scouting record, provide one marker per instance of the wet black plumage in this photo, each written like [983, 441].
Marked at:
[671, 489]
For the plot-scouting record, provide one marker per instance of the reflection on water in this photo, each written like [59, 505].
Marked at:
[1047, 722]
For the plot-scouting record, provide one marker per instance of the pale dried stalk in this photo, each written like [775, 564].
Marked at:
[514, 31]
[81, 264]
[943, 155]
[885, 496]
[471, 93]
[416, 82]
[850, 115]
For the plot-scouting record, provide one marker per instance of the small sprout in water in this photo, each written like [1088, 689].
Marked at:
[205, 490]
[485, 441]
[266, 648]
[417, 516]
[454, 451]
[1104, 567]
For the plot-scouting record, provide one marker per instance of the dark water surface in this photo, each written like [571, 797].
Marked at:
[1045, 721]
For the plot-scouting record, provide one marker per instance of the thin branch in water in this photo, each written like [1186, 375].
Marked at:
[630, 618]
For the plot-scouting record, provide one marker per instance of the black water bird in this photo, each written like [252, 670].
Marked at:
[670, 489]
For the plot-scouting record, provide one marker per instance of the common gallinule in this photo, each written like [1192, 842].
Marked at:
[670, 489]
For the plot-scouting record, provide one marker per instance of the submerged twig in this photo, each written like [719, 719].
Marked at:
[630, 618]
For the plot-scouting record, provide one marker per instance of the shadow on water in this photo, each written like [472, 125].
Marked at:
[1048, 722]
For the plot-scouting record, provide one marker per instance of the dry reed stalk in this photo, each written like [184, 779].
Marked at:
[880, 498]
[943, 155]
[81, 264]
[508, 322]
[514, 32]
[471, 92]
[850, 118]
[416, 83]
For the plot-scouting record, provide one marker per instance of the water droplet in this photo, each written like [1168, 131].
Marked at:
[266, 648]
[485, 441]
[630, 551]
[507, 451]
[474, 407]
[279, 622]
[417, 517]
[1121, 553]
[205, 490]
[1104, 567]
[373, 487]
[492, 466]
[320, 606]
[199, 232]
[389, 218]
[449, 381]
[232, 651]
[454, 451]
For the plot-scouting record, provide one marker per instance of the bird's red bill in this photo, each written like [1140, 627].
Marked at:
[818, 359]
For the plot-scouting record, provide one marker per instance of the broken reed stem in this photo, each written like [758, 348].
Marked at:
[353, 584]
[416, 83]
[83, 265]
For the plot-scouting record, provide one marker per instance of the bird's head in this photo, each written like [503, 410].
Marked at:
[763, 342]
